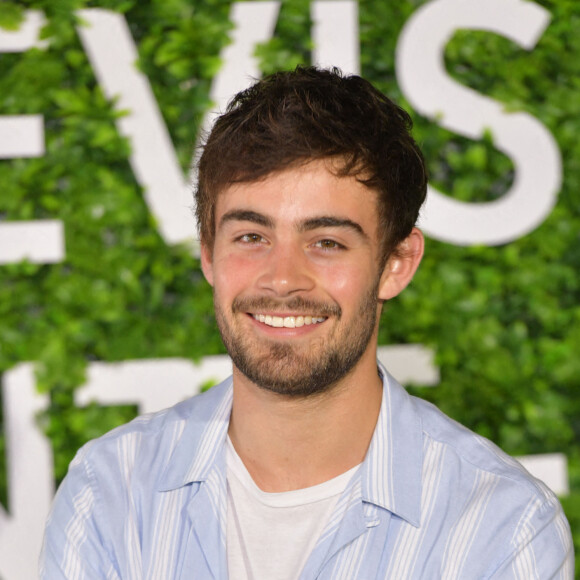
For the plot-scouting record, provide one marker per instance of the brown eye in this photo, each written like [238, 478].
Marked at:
[328, 245]
[251, 238]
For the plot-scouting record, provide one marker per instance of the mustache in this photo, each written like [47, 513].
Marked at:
[296, 303]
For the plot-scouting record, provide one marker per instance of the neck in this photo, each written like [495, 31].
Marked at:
[290, 443]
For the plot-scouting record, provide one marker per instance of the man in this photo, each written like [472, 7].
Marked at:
[311, 461]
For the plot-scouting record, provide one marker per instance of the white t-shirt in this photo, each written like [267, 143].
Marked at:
[271, 535]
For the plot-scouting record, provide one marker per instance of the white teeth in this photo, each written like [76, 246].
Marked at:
[288, 321]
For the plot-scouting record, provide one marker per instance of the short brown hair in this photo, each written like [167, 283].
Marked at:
[294, 117]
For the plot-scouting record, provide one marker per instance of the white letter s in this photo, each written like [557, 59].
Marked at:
[531, 147]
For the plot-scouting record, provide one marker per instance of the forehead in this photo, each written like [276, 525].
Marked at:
[303, 192]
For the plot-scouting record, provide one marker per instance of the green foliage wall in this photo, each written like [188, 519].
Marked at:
[504, 321]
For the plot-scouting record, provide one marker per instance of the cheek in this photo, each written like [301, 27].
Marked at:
[347, 282]
[233, 272]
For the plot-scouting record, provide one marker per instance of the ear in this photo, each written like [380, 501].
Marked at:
[401, 265]
[207, 263]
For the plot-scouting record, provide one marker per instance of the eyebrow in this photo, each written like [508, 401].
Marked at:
[331, 222]
[244, 215]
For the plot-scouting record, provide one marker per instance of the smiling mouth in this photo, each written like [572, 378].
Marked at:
[288, 321]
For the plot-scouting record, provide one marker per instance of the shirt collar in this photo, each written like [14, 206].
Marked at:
[201, 446]
[392, 469]
[391, 472]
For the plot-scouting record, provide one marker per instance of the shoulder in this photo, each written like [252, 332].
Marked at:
[474, 452]
[116, 484]
[148, 442]
[490, 497]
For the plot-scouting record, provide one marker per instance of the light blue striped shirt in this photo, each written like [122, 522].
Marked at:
[431, 500]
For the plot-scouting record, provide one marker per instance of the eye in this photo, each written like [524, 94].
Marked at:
[251, 239]
[328, 245]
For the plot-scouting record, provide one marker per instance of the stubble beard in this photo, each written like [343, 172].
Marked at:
[298, 370]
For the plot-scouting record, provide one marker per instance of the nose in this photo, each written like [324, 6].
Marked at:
[286, 271]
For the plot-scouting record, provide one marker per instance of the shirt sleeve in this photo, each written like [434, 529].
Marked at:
[542, 546]
[73, 546]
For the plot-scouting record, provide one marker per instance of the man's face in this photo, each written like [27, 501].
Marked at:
[295, 271]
